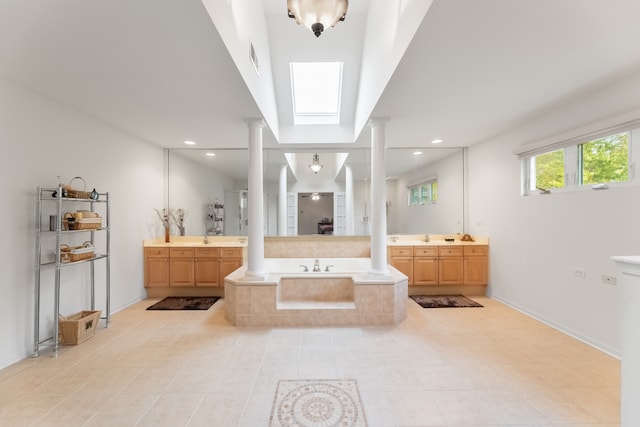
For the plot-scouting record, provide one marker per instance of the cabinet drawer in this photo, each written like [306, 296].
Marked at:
[430, 251]
[181, 252]
[401, 250]
[207, 252]
[230, 252]
[450, 250]
[473, 250]
[156, 252]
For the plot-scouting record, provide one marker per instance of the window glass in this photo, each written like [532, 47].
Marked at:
[424, 193]
[434, 192]
[605, 159]
[549, 170]
[415, 196]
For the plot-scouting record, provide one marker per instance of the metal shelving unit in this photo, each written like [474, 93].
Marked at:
[53, 196]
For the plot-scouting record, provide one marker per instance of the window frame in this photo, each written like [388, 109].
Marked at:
[424, 192]
[573, 163]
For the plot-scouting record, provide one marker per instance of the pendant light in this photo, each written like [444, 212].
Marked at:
[317, 14]
[315, 165]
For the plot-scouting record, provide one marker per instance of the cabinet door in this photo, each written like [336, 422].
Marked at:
[206, 267]
[450, 265]
[476, 265]
[228, 266]
[425, 271]
[450, 270]
[404, 265]
[475, 270]
[156, 267]
[181, 270]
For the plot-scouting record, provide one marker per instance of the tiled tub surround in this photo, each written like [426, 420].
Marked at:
[317, 246]
[345, 297]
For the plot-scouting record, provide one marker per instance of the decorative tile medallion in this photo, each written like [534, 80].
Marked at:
[317, 403]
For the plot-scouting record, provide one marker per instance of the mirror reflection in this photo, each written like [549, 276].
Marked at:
[318, 191]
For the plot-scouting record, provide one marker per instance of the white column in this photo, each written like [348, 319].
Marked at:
[255, 248]
[282, 202]
[378, 199]
[350, 205]
[628, 269]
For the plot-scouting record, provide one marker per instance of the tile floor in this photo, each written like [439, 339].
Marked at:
[488, 366]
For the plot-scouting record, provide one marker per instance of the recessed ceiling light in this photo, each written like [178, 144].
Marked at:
[436, 141]
[190, 143]
[417, 153]
[210, 154]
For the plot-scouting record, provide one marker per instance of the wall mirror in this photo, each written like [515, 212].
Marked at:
[211, 185]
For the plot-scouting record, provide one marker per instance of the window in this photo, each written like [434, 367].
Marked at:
[423, 193]
[549, 170]
[603, 160]
[316, 88]
[414, 196]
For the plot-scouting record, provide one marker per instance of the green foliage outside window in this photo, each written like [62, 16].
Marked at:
[605, 159]
[550, 170]
[434, 192]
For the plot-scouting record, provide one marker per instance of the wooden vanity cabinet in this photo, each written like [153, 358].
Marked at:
[476, 265]
[206, 269]
[425, 265]
[450, 265]
[190, 266]
[181, 271]
[156, 267]
[230, 260]
[401, 258]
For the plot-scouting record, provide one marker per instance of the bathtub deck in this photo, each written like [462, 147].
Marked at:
[370, 301]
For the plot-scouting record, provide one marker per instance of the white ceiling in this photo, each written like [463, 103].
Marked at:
[159, 70]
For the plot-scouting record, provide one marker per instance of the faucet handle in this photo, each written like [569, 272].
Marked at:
[327, 267]
[305, 267]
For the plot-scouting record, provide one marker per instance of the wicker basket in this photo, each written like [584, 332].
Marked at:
[78, 194]
[69, 222]
[76, 253]
[78, 327]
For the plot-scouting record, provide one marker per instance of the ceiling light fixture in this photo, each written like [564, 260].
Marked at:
[210, 154]
[190, 143]
[436, 141]
[417, 153]
[315, 164]
[315, 197]
[317, 15]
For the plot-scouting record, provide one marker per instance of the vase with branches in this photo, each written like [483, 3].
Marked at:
[178, 217]
[165, 218]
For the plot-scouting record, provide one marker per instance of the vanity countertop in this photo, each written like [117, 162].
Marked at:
[197, 242]
[434, 240]
[433, 243]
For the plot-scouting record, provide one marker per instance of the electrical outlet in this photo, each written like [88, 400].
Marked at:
[609, 280]
[580, 272]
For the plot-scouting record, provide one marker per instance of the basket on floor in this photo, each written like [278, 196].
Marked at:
[78, 327]
[77, 253]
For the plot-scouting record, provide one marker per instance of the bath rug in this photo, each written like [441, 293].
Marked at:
[184, 303]
[441, 301]
[311, 403]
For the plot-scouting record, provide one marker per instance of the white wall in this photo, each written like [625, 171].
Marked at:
[41, 140]
[537, 242]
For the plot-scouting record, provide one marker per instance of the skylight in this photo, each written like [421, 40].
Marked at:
[316, 88]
